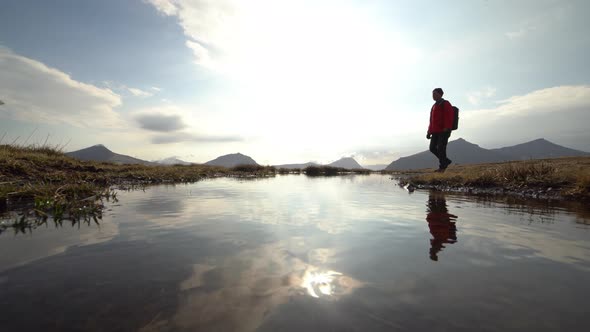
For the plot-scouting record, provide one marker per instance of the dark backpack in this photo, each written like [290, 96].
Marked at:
[455, 118]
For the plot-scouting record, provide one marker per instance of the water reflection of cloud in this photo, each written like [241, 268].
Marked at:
[330, 205]
[238, 292]
[48, 241]
[523, 242]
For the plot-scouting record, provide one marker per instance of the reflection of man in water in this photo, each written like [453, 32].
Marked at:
[441, 224]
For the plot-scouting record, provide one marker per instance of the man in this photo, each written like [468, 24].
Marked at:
[439, 130]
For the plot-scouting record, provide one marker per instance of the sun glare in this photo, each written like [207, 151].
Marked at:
[313, 55]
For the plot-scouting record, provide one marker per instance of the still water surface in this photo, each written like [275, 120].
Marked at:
[294, 253]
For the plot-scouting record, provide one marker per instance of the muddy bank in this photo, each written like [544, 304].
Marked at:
[524, 192]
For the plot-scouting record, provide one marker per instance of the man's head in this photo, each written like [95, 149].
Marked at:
[437, 94]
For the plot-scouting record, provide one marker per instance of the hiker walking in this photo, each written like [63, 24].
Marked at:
[442, 118]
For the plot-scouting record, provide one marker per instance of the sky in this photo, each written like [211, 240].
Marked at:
[291, 81]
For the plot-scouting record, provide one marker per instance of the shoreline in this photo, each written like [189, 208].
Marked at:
[38, 184]
[554, 179]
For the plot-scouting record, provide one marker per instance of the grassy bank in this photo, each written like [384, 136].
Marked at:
[39, 183]
[554, 178]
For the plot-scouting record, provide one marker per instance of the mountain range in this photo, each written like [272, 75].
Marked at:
[460, 151]
[378, 167]
[347, 162]
[539, 149]
[231, 160]
[172, 161]
[297, 166]
[344, 162]
[464, 152]
[100, 152]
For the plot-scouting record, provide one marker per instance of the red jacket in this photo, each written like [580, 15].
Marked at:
[441, 117]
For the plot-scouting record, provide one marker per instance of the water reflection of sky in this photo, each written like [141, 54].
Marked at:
[296, 253]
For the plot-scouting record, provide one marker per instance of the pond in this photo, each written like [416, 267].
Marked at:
[298, 253]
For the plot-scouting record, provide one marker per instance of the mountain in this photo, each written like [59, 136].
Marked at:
[231, 160]
[172, 161]
[348, 163]
[460, 151]
[101, 153]
[539, 149]
[376, 167]
[295, 166]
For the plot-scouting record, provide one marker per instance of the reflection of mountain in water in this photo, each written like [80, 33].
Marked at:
[441, 224]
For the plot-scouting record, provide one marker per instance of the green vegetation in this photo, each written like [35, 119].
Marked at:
[565, 177]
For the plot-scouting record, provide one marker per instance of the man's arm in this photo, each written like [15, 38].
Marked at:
[429, 125]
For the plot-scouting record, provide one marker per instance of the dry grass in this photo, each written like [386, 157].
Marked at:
[332, 171]
[45, 183]
[571, 176]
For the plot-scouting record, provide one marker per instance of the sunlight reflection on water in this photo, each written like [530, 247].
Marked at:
[325, 283]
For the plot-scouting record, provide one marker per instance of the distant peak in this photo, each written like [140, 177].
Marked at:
[462, 141]
[99, 147]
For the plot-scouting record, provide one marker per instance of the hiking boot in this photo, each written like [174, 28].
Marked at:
[449, 161]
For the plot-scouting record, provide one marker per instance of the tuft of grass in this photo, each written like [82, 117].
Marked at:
[283, 170]
[254, 169]
[361, 171]
[322, 170]
[583, 184]
[332, 171]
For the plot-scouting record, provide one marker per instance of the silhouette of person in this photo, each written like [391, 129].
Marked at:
[440, 127]
[441, 224]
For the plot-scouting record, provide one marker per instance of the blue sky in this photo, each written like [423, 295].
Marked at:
[291, 81]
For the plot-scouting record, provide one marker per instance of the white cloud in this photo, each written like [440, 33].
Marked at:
[178, 137]
[542, 22]
[266, 39]
[553, 113]
[139, 93]
[129, 91]
[476, 97]
[175, 124]
[520, 33]
[35, 92]
[160, 122]
[166, 7]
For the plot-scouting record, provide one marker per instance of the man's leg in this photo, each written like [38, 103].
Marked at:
[434, 144]
[442, 150]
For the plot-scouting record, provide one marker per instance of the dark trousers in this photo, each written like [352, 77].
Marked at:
[438, 147]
